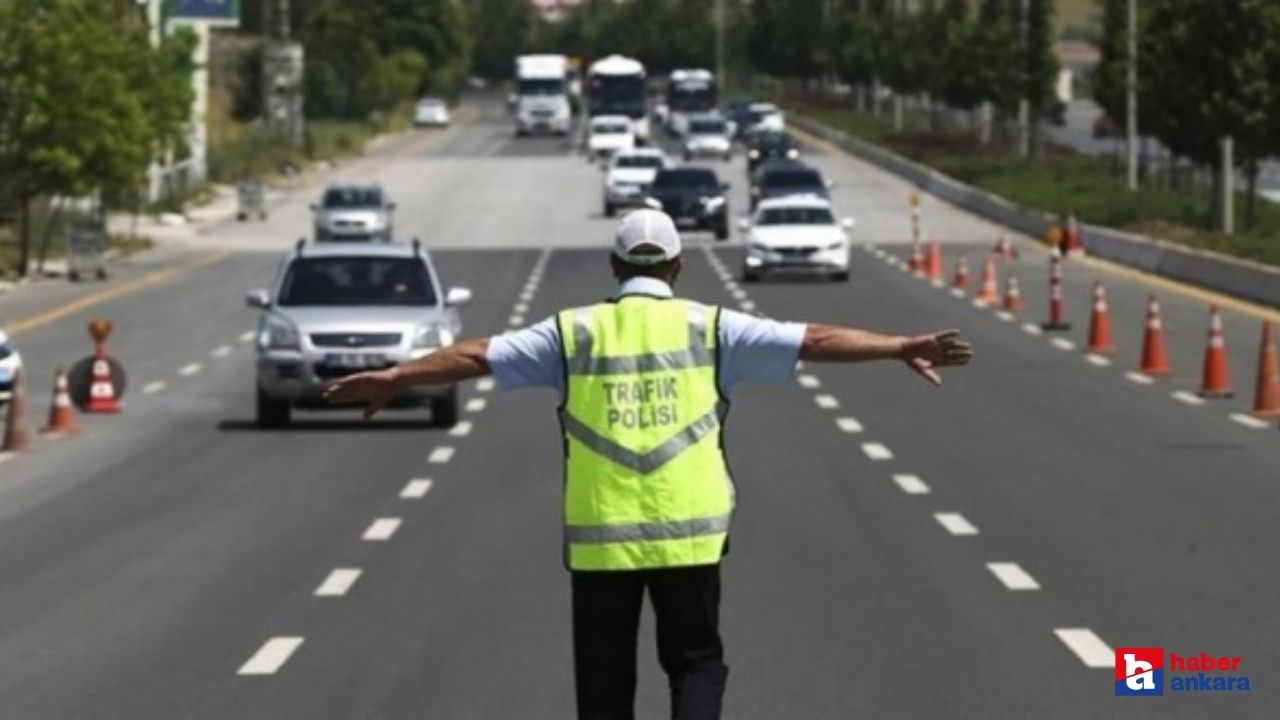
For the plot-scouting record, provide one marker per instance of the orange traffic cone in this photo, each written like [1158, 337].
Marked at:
[1012, 296]
[961, 279]
[1216, 381]
[1100, 322]
[16, 435]
[1155, 361]
[933, 263]
[102, 391]
[988, 289]
[1057, 311]
[62, 419]
[1266, 399]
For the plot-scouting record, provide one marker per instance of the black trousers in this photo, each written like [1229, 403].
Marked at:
[606, 620]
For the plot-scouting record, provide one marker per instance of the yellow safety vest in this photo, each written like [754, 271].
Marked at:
[646, 483]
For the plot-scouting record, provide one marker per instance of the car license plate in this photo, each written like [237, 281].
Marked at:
[355, 360]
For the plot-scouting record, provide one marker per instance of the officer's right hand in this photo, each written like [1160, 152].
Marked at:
[371, 389]
[925, 353]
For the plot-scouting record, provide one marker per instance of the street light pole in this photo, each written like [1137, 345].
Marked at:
[1024, 106]
[1131, 92]
[720, 76]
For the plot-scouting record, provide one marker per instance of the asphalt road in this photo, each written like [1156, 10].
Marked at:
[176, 562]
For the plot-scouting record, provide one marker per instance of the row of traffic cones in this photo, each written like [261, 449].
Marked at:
[62, 418]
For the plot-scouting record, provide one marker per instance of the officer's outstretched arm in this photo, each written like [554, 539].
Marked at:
[922, 353]
[462, 361]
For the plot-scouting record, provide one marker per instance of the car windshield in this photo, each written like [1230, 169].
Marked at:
[609, 128]
[430, 104]
[352, 198]
[551, 86]
[792, 179]
[621, 94]
[707, 127]
[771, 141]
[638, 161]
[704, 179]
[357, 281]
[796, 216]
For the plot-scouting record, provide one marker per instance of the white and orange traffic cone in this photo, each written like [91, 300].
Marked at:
[1012, 296]
[1100, 322]
[102, 390]
[17, 436]
[1216, 380]
[988, 286]
[933, 263]
[1266, 397]
[960, 281]
[62, 418]
[1155, 359]
[1057, 310]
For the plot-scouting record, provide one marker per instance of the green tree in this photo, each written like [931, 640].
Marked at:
[503, 29]
[1110, 77]
[781, 37]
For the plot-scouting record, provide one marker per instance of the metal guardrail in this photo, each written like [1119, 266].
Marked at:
[1240, 278]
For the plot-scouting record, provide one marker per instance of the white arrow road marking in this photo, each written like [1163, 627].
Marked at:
[1087, 646]
[273, 654]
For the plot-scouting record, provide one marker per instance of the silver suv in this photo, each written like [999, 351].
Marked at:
[353, 213]
[334, 310]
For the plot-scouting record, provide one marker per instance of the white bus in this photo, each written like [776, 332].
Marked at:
[689, 92]
[616, 86]
[541, 96]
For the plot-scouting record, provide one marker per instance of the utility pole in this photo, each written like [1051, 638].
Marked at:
[282, 72]
[1228, 186]
[720, 76]
[900, 13]
[1024, 105]
[1131, 94]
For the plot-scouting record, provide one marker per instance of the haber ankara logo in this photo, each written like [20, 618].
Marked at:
[1139, 671]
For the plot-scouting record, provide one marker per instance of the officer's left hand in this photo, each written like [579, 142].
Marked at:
[371, 389]
[924, 353]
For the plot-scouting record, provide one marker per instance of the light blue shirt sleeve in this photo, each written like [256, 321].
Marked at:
[754, 349]
[528, 358]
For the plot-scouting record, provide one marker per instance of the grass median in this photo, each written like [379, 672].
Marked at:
[1060, 181]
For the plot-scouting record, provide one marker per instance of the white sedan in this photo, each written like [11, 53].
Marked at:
[797, 233]
[608, 134]
[431, 112]
[10, 366]
[629, 175]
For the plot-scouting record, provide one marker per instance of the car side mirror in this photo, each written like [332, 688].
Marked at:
[652, 202]
[258, 299]
[847, 223]
[744, 225]
[724, 186]
[457, 296]
[831, 184]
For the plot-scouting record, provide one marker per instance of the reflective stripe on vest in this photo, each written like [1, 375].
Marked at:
[646, 485]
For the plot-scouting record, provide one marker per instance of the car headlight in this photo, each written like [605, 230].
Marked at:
[278, 333]
[432, 336]
[793, 153]
[713, 203]
[754, 154]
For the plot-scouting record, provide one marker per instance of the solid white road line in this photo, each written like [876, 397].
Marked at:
[1032, 329]
[190, 369]
[911, 484]
[1087, 646]
[338, 582]
[247, 337]
[1063, 344]
[416, 489]
[1250, 421]
[1098, 360]
[440, 455]
[154, 387]
[955, 523]
[484, 384]
[1186, 397]
[877, 451]
[1013, 576]
[381, 530]
[826, 402]
[273, 654]
[1140, 378]
[462, 429]
[222, 352]
[475, 405]
[849, 425]
[808, 381]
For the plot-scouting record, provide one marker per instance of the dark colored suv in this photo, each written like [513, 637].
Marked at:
[694, 197]
[766, 145]
[779, 178]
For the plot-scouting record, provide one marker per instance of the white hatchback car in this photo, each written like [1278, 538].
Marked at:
[10, 366]
[796, 233]
[431, 112]
[608, 134]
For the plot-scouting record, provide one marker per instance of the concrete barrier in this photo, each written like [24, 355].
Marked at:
[1250, 281]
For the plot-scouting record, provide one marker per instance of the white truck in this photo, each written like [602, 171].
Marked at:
[541, 97]
[616, 86]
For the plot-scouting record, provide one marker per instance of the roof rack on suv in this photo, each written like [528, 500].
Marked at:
[417, 247]
[299, 245]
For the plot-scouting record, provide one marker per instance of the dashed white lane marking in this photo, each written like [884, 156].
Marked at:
[747, 306]
[440, 455]
[521, 307]
[1087, 646]
[416, 489]
[1006, 316]
[911, 484]
[1250, 421]
[527, 295]
[248, 336]
[1096, 359]
[515, 320]
[739, 294]
[1185, 397]
[979, 303]
[1032, 329]
[381, 530]
[877, 451]
[1013, 576]
[273, 654]
[1063, 344]
[808, 381]
[955, 523]
[957, 292]
[1139, 378]
[154, 387]
[222, 352]
[190, 369]
[827, 402]
[849, 425]
[484, 384]
[462, 429]
[338, 582]
[475, 405]
[938, 284]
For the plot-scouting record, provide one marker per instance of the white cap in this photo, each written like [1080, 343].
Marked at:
[646, 227]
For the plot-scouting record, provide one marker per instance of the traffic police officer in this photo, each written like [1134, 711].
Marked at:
[644, 379]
